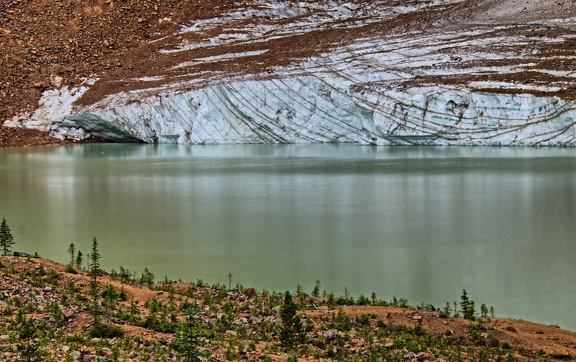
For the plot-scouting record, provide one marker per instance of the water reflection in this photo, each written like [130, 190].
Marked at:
[417, 222]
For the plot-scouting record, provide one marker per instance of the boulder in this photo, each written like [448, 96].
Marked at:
[330, 335]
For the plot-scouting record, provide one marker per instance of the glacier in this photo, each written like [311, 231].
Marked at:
[478, 84]
[313, 109]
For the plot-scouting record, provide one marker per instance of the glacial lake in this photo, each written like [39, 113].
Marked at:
[416, 222]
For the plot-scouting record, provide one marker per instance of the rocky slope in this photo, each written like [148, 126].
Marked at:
[47, 314]
[372, 72]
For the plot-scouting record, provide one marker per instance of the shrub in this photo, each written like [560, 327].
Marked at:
[100, 330]
[445, 313]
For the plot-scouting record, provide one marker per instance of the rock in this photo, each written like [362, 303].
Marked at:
[449, 332]
[422, 356]
[389, 345]
[254, 321]
[4, 337]
[250, 292]
[47, 289]
[68, 313]
[330, 335]
[231, 333]
[417, 317]
[510, 329]
[410, 355]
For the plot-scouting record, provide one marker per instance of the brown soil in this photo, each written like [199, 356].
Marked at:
[20, 137]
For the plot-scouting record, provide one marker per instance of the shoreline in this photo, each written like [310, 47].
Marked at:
[24, 137]
[242, 323]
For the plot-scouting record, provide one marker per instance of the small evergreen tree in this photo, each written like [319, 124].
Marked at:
[79, 259]
[94, 258]
[299, 290]
[147, 277]
[483, 311]
[347, 298]
[93, 271]
[468, 309]
[6, 239]
[316, 291]
[188, 339]
[99, 329]
[445, 313]
[72, 252]
[292, 332]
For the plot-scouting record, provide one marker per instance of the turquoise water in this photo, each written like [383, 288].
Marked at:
[415, 222]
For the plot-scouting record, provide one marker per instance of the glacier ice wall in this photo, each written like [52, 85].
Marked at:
[312, 109]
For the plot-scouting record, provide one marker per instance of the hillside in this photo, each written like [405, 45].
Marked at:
[370, 72]
[48, 311]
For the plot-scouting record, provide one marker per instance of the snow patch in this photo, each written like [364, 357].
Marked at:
[53, 106]
[220, 58]
[149, 79]
[515, 86]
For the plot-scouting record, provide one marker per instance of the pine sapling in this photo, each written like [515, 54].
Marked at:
[292, 332]
[6, 238]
